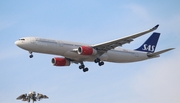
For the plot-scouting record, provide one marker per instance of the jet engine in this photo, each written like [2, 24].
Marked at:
[60, 62]
[86, 50]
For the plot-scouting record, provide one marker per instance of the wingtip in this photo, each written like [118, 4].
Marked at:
[171, 48]
[155, 27]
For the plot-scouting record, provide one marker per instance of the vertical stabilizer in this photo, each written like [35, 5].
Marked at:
[150, 44]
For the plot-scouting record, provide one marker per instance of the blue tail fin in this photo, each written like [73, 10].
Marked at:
[150, 44]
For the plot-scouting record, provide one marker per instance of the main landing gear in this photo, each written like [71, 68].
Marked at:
[100, 63]
[30, 56]
[82, 66]
[85, 69]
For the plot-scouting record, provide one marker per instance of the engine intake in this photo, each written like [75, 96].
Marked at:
[60, 62]
[86, 50]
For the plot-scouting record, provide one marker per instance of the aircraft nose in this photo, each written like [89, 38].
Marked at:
[17, 43]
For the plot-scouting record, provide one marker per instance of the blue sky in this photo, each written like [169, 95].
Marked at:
[94, 21]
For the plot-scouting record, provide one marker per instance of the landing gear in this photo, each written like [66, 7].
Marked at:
[82, 66]
[100, 63]
[30, 56]
[85, 69]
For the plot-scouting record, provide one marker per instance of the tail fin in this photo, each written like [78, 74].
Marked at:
[150, 44]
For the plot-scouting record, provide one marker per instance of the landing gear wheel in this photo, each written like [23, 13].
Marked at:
[31, 56]
[85, 69]
[81, 66]
[97, 60]
[101, 63]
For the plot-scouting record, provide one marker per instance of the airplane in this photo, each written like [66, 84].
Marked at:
[32, 95]
[78, 53]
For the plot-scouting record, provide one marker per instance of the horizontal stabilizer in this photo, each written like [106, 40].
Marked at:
[156, 54]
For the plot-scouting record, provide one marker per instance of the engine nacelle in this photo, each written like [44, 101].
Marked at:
[60, 62]
[86, 50]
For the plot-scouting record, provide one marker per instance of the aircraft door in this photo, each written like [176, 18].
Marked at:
[60, 44]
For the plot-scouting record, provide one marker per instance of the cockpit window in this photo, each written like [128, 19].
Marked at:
[22, 39]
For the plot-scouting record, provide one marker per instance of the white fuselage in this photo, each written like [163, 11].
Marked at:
[66, 49]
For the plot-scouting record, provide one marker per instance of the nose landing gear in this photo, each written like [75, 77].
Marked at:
[30, 56]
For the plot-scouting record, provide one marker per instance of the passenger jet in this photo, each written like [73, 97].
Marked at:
[73, 52]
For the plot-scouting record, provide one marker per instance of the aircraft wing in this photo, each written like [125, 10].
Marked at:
[104, 47]
[41, 96]
[44, 96]
[23, 96]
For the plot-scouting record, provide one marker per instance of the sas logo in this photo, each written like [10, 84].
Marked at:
[147, 47]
